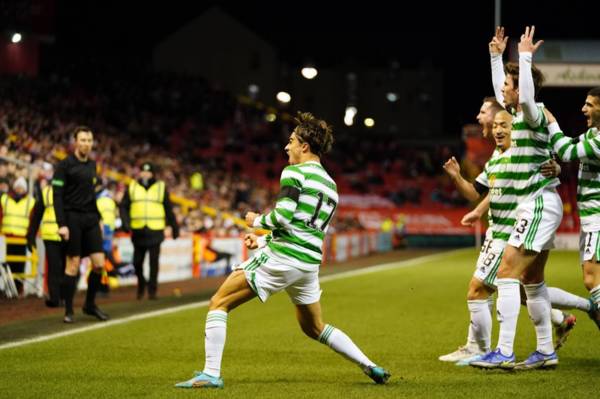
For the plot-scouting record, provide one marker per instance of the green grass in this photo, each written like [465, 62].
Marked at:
[403, 319]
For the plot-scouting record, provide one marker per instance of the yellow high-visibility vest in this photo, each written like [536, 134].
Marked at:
[49, 226]
[107, 208]
[15, 215]
[147, 206]
[197, 181]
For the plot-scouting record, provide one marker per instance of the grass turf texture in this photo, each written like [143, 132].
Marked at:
[403, 319]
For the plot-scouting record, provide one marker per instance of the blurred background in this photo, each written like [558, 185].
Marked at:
[206, 91]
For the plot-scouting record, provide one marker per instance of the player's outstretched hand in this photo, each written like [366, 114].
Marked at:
[452, 168]
[251, 241]
[498, 43]
[550, 169]
[250, 216]
[526, 45]
[549, 117]
[470, 218]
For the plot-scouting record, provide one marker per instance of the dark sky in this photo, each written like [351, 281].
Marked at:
[328, 31]
[452, 38]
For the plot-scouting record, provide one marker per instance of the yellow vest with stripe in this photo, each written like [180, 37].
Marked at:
[107, 207]
[147, 206]
[49, 228]
[15, 215]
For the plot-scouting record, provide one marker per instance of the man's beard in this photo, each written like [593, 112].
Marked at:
[595, 119]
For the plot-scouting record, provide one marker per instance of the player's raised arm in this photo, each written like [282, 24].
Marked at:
[526, 85]
[497, 46]
[465, 188]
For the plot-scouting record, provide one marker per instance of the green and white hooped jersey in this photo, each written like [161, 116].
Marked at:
[587, 150]
[530, 148]
[503, 200]
[307, 201]
[489, 213]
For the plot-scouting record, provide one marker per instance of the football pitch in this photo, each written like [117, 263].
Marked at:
[402, 316]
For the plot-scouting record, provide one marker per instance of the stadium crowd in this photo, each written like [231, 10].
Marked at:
[208, 147]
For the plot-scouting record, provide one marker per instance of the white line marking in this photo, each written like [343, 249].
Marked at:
[389, 266]
[338, 276]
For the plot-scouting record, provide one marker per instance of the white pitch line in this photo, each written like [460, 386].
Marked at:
[338, 276]
[100, 325]
[388, 266]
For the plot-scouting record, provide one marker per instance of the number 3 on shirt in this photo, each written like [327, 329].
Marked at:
[522, 225]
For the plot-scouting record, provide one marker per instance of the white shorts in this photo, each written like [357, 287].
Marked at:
[267, 276]
[589, 246]
[489, 260]
[537, 221]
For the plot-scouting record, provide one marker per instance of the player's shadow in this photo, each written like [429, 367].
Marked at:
[319, 382]
[582, 362]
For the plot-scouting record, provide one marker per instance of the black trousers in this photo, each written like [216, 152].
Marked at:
[139, 252]
[55, 263]
[17, 267]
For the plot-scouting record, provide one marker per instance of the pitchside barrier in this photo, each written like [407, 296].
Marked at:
[441, 227]
[197, 256]
[30, 277]
[200, 256]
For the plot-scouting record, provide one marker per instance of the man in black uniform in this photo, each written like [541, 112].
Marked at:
[146, 209]
[79, 221]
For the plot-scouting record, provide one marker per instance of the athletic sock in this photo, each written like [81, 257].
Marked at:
[214, 341]
[562, 299]
[507, 309]
[557, 317]
[481, 323]
[538, 304]
[342, 344]
[69, 287]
